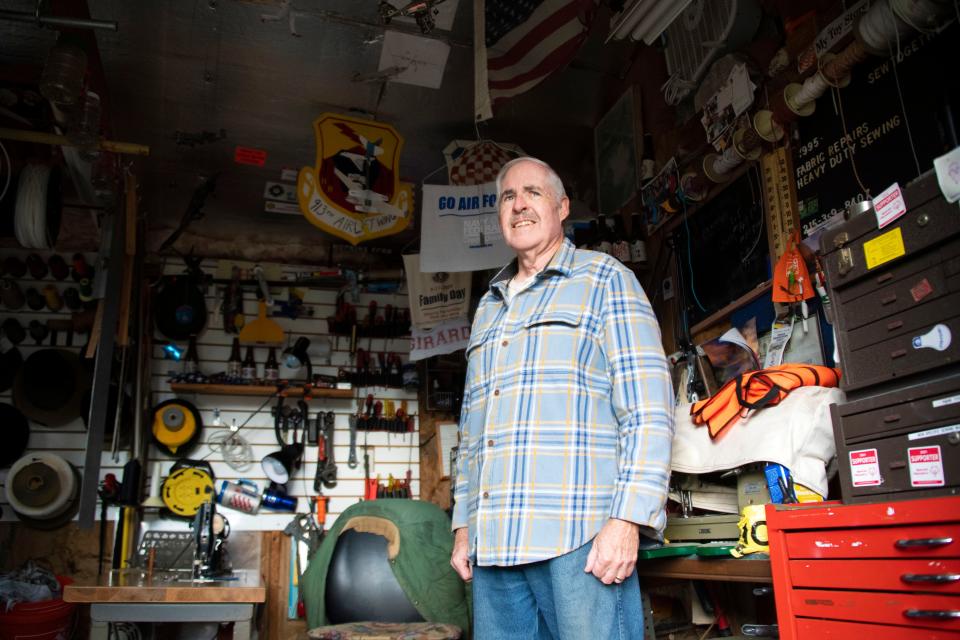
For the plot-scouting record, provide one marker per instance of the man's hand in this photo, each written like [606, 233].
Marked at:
[460, 558]
[614, 552]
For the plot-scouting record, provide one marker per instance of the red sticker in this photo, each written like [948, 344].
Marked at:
[921, 290]
[248, 155]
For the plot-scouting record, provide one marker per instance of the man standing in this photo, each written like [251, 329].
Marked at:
[565, 433]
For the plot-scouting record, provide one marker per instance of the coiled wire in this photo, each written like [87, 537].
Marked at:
[233, 447]
[30, 218]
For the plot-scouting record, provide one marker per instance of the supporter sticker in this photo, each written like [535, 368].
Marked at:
[865, 468]
[926, 466]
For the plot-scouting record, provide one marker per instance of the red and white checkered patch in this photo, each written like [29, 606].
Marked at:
[479, 164]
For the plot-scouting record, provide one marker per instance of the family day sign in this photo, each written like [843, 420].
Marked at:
[354, 190]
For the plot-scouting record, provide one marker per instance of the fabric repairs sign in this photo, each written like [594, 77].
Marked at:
[460, 229]
[435, 297]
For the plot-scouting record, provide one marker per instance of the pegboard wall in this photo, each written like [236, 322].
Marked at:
[390, 454]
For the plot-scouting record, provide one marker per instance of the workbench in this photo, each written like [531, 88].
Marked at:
[128, 595]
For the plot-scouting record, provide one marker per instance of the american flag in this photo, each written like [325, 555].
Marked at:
[520, 42]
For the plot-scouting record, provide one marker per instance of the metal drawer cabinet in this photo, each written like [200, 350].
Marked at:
[878, 571]
[901, 443]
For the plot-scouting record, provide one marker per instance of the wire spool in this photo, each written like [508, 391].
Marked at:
[36, 220]
[52, 297]
[176, 426]
[718, 167]
[11, 294]
[43, 490]
[766, 127]
[186, 489]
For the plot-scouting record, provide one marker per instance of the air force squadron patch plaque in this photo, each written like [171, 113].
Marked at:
[354, 190]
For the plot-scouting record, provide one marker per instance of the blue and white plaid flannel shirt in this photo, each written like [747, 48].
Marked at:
[567, 415]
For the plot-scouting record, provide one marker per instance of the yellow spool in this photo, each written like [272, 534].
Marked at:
[185, 490]
[176, 423]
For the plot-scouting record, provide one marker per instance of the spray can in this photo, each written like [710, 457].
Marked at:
[279, 501]
[243, 495]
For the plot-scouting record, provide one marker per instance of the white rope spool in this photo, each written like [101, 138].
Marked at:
[41, 486]
[30, 215]
[813, 87]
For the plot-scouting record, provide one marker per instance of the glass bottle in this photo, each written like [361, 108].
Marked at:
[271, 368]
[248, 370]
[191, 362]
[638, 247]
[621, 244]
[234, 365]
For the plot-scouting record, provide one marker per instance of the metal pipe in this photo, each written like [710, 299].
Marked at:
[57, 21]
[41, 137]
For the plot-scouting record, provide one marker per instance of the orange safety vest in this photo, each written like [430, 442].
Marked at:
[756, 390]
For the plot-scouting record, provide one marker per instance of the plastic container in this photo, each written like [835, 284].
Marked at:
[45, 620]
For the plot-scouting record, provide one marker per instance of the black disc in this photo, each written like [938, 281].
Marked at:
[14, 434]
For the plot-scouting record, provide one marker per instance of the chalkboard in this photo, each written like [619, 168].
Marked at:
[728, 254]
[877, 125]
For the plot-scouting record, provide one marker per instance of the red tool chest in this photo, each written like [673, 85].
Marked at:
[879, 571]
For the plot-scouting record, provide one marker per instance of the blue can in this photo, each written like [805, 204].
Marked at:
[279, 501]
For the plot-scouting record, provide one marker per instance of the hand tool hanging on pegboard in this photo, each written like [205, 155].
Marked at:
[326, 466]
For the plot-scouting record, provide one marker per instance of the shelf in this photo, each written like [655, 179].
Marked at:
[294, 391]
[722, 314]
[725, 569]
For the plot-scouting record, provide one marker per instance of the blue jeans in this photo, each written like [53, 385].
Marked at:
[554, 599]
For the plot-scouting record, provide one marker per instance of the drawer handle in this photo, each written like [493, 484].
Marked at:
[899, 353]
[936, 614]
[896, 324]
[935, 578]
[893, 417]
[922, 542]
[884, 278]
[890, 299]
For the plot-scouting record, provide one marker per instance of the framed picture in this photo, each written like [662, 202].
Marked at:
[616, 151]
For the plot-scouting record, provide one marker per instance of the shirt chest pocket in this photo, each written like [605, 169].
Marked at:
[555, 335]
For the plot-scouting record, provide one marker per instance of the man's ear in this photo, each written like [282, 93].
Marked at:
[564, 208]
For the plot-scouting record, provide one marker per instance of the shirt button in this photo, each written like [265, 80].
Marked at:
[486, 494]
[490, 443]
[503, 344]
[496, 392]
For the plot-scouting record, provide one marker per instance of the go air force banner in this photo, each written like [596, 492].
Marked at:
[460, 230]
[354, 190]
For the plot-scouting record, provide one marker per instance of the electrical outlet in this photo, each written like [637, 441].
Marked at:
[667, 288]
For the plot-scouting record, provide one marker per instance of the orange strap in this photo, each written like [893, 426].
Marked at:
[758, 389]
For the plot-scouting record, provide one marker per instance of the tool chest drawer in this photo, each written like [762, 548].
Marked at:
[911, 284]
[857, 248]
[898, 468]
[935, 540]
[918, 610]
[836, 630]
[926, 403]
[885, 570]
[935, 343]
[910, 321]
[929, 575]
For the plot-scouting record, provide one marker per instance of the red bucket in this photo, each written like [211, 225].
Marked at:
[44, 620]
